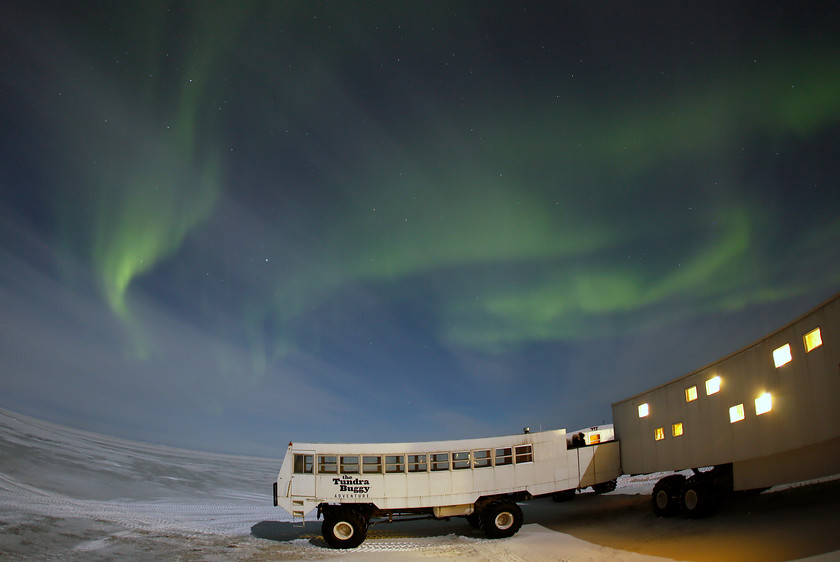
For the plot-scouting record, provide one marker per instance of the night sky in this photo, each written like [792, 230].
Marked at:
[230, 225]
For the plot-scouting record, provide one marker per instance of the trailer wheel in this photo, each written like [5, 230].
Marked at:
[699, 497]
[500, 519]
[604, 487]
[666, 495]
[344, 528]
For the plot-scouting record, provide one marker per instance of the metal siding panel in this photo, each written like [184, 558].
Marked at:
[504, 477]
[417, 485]
[525, 476]
[395, 486]
[484, 478]
[586, 468]
[572, 468]
[440, 488]
[463, 480]
[607, 461]
[811, 461]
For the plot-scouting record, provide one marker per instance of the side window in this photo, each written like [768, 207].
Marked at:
[812, 340]
[327, 464]
[504, 456]
[372, 464]
[417, 463]
[482, 458]
[394, 464]
[440, 461]
[349, 464]
[461, 460]
[524, 453]
[303, 464]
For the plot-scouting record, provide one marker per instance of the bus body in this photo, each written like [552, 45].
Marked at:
[439, 478]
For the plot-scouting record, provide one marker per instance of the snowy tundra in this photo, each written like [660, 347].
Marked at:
[67, 494]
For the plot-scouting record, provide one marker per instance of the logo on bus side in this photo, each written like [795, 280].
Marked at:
[352, 485]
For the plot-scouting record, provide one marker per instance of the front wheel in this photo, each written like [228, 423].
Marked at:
[666, 495]
[344, 528]
[501, 519]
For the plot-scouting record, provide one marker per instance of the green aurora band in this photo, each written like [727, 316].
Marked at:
[172, 180]
[551, 200]
[444, 215]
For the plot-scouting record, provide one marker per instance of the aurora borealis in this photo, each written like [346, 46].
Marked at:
[231, 224]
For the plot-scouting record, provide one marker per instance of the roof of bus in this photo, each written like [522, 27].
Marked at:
[432, 446]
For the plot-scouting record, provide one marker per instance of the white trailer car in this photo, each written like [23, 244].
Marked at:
[355, 485]
[764, 415]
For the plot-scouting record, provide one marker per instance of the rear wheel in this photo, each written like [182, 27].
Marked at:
[699, 497]
[500, 519]
[344, 528]
[666, 495]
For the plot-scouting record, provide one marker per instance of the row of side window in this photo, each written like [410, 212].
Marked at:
[423, 462]
[781, 356]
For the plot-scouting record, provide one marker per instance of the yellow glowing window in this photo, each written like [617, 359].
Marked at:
[763, 404]
[659, 433]
[812, 339]
[781, 355]
[736, 413]
[644, 410]
[677, 429]
[712, 386]
[691, 393]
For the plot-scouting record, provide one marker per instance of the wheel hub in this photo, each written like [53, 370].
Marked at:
[504, 520]
[662, 499]
[691, 500]
[343, 530]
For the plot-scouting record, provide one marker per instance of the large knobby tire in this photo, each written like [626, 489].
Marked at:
[344, 528]
[666, 495]
[604, 487]
[699, 497]
[501, 519]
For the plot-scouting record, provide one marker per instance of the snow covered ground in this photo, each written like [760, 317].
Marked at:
[72, 495]
[64, 491]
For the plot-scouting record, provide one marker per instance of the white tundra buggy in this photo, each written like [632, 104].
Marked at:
[355, 485]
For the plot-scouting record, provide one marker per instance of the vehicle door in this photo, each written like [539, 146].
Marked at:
[303, 474]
